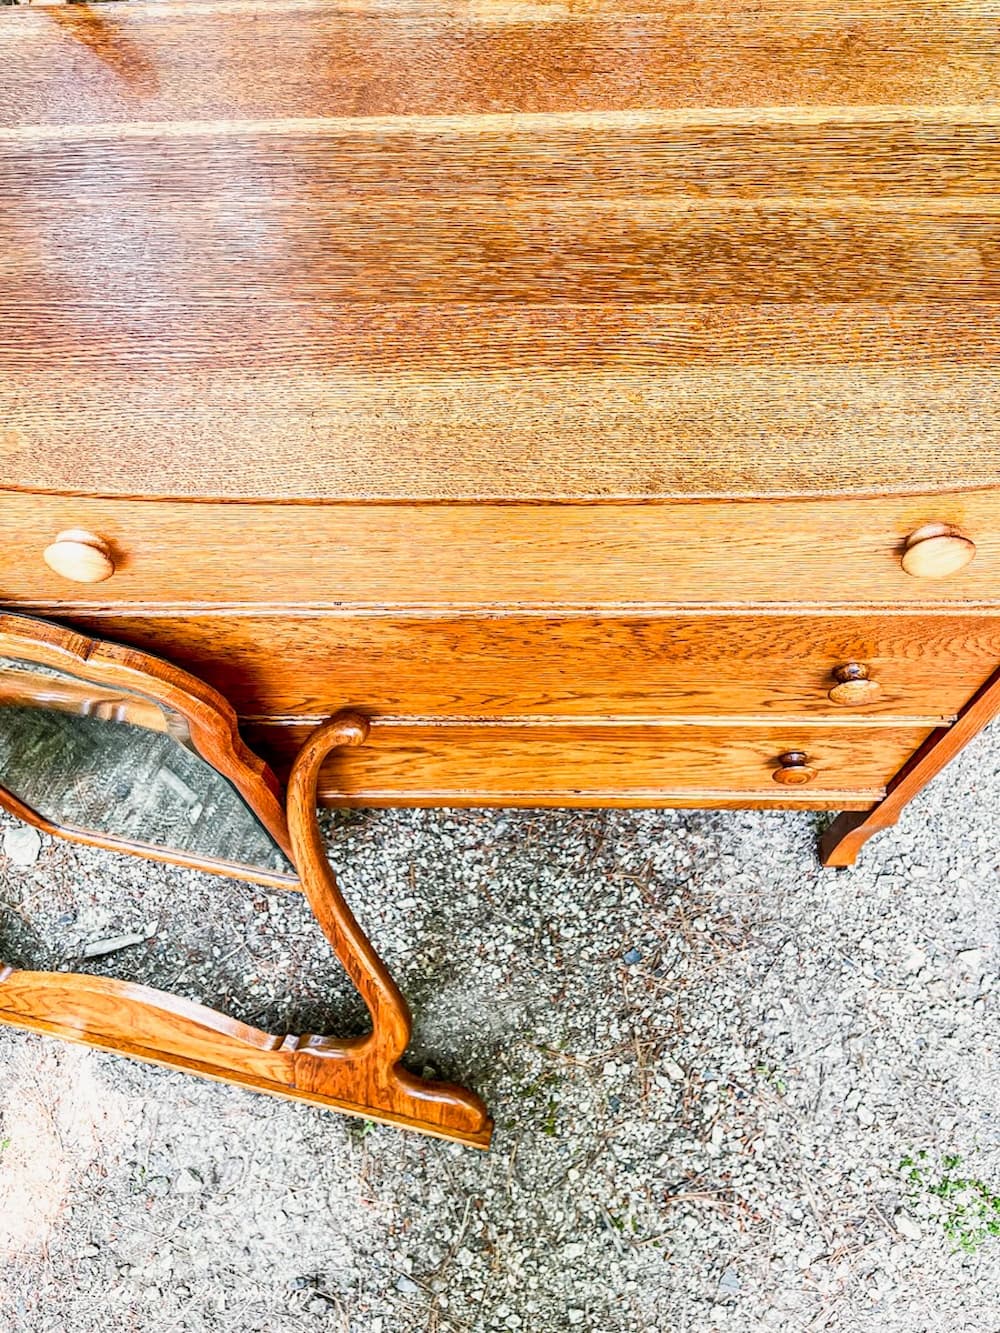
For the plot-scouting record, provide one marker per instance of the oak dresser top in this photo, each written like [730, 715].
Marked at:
[462, 251]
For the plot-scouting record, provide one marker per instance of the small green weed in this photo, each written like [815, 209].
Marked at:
[360, 1129]
[551, 1113]
[967, 1211]
[774, 1076]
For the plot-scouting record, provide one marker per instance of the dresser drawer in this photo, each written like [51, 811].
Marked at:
[314, 663]
[677, 764]
[834, 552]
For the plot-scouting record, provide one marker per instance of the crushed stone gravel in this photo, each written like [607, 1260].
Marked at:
[706, 1055]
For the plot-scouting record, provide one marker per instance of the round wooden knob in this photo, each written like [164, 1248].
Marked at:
[794, 769]
[937, 550]
[854, 687]
[80, 556]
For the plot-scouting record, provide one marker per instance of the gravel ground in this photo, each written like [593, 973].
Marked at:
[706, 1057]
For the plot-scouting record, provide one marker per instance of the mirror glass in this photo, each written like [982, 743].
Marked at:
[109, 761]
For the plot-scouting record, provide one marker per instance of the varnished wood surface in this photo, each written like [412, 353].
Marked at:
[498, 252]
[295, 220]
[150, 1025]
[846, 836]
[78, 697]
[822, 552]
[294, 58]
[517, 764]
[315, 663]
[153, 418]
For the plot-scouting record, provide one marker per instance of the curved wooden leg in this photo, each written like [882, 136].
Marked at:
[840, 844]
[362, 1075]
[371, 1074]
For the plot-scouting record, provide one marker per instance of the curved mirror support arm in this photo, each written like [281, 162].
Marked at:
[375, 1073]
[388, 1009]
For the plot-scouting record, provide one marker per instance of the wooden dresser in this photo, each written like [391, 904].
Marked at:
[601, 397]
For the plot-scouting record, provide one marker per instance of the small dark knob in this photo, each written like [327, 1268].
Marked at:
[794, 769]
[854, 686]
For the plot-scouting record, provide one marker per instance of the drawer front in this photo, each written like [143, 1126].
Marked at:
[509, 764]
[314, 663]
[830, 552]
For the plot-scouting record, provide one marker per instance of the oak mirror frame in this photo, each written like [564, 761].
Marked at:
[111, 748]
[115, 748]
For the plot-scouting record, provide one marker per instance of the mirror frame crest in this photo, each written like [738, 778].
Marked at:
[211, 722]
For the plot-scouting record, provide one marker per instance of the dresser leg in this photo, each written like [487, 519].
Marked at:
[840, 844]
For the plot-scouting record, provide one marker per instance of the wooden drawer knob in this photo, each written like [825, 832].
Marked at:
[937, 550]
[854, 687]
[80, 556]
[794, 769]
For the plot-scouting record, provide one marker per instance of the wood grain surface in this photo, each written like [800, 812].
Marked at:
[151, 1025]
[821, 552]
[412, 251]
[315, 663]
[845, 837]
[232, 61]
[518, 764]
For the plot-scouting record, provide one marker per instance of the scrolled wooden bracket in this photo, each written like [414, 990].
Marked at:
[371, 1076]
[362, 1075]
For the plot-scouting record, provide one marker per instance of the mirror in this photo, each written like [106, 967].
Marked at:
[107, 762]
[104, 744]
[92, 759]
